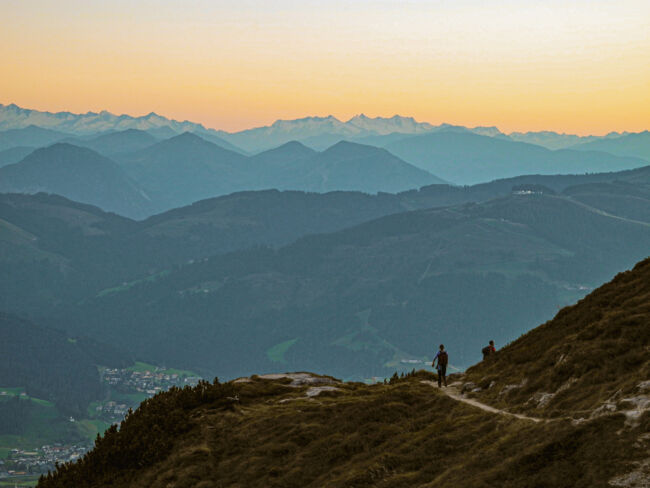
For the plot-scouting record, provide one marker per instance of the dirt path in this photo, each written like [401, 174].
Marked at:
[607, 214]
[453, 392]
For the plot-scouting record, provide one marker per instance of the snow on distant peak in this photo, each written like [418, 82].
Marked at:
[358, 125]
[383, 125]
[306, 125]
[14, 117]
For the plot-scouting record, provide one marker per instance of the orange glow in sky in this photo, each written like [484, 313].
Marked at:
[580, 67]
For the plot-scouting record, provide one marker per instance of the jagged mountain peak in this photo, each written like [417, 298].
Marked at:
[14, 117]
[388, 125]
[306, 121]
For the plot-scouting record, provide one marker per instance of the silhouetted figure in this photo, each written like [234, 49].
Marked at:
[443, 358]
[488, 350]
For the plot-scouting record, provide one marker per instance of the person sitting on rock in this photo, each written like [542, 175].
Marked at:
[443, 358]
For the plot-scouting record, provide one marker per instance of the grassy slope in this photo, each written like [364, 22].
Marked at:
[399, 435]
[597, 348]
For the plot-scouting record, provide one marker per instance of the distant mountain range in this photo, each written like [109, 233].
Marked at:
[629, 145]
[187, 168]
[15, 117]
[553, 140]
[466, 158]
[31, 136]
[14, 154]
[166, 170]
[114, 143]
[80, 174]
[316, 132]
[155, 176]
[322, 132]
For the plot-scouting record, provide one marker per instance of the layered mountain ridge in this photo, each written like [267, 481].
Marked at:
[383, 271]
[80, 174]
[153, 176]
[317, 132]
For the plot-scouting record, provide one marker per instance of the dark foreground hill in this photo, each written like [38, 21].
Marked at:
[301, 430]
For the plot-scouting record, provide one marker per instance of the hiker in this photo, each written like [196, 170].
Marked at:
[443, 359]
[488, 350]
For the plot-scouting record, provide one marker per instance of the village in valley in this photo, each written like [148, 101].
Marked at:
[21, 463]
[128, 387]
[124, 389]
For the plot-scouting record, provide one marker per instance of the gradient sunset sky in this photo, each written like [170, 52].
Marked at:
[579, 66]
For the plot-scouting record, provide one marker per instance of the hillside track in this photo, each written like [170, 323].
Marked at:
[454, 393]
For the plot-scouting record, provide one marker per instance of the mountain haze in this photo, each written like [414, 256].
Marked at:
[184, 169]
[187, 168]
[348, 166]
[630, 145]
[115, 143]
[31, 135]
[79, 174]
[553, 140]
[465, 158]
[14, 154]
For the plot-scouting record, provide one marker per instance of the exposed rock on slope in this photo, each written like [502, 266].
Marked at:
[592, 358]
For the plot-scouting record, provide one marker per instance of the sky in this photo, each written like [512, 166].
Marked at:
[570, 66]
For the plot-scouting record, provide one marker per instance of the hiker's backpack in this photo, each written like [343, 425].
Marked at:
[486, 351]
[443, 358]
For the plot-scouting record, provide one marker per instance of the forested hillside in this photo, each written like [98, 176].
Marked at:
[364, 298]
[51, 365]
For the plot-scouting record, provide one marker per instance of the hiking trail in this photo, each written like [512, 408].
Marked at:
[452, 392]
